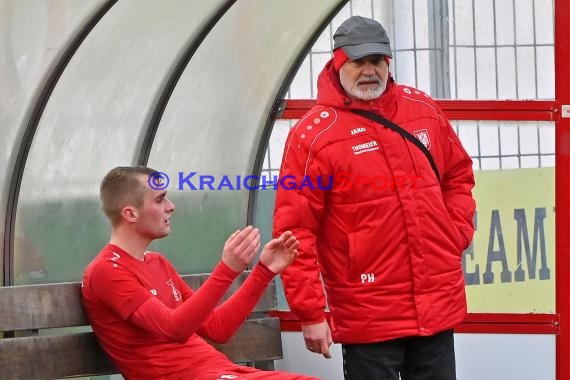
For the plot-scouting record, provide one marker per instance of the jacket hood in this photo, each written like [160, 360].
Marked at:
[330, 93]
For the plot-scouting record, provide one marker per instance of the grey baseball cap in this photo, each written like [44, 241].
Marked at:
[360, 36]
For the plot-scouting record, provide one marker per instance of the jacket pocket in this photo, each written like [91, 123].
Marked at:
[458, 238]
[358, 257]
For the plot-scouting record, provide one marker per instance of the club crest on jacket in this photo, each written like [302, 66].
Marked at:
[423, 136]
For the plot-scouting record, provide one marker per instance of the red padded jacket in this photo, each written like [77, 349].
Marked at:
[372, 218]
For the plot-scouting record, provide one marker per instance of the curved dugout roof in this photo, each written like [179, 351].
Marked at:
[35, 40]
[194, 81]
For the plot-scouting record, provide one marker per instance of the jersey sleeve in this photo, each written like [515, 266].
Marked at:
[229, 316]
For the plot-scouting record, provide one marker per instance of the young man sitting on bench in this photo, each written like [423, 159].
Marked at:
[144, 315]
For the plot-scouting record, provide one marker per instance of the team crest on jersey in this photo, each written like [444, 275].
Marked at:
[175, 292]
[423, 136]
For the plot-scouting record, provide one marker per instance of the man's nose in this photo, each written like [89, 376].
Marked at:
[368, 68]
[171, 206]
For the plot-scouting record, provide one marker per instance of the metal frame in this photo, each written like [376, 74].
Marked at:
[562, 203]
[525, 110]
[475, 323]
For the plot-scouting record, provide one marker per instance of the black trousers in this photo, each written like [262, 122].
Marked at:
[413, 358]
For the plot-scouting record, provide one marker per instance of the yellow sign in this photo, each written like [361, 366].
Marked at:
[509, 267]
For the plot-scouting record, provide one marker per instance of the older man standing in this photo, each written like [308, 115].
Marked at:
[387, 237]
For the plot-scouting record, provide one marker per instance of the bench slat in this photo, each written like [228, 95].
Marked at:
[40, 306]
[79, 354]
[53, 356]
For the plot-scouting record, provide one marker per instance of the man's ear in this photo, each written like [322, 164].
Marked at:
[129, 213]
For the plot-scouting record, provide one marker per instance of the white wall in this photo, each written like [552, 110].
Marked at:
[478, 356]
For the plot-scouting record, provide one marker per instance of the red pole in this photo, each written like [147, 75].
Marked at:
[562, 94]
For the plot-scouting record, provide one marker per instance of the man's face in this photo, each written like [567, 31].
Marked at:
[364, 78]
[153, 217]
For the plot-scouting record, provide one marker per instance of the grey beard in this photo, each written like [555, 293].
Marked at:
[370, 94]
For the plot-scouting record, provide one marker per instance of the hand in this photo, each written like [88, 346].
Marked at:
[240, 248]
[280, 252]
[318, 338]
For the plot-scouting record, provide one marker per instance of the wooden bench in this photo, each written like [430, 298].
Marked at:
[39, 342]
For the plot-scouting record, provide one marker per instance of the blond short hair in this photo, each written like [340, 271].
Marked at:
[121, 187]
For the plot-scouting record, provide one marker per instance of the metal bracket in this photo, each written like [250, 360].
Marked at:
[279, 108]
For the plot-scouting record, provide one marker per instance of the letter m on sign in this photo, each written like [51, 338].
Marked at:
[538, 240]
